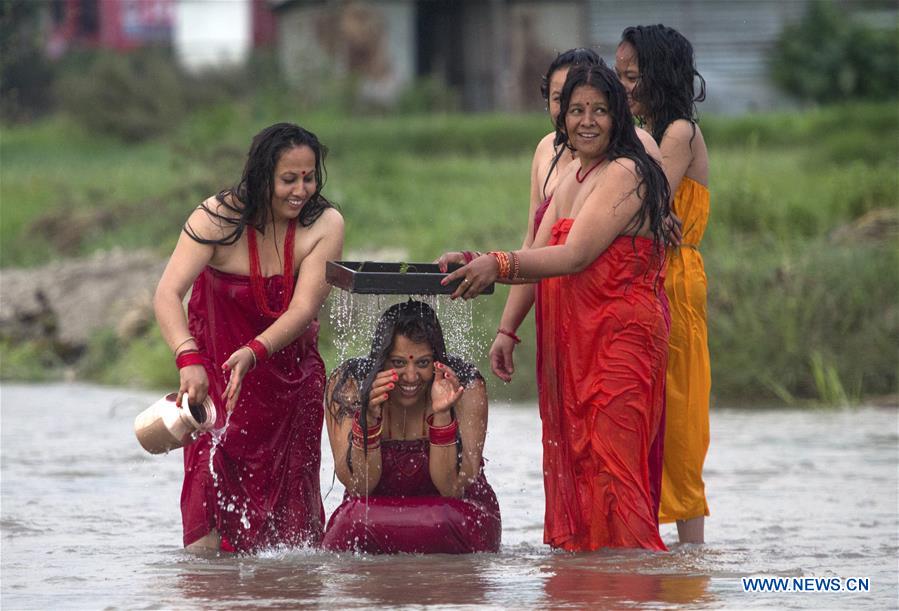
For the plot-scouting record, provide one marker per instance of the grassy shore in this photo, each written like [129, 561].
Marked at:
[802, 305]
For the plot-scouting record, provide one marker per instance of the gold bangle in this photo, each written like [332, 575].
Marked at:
[189, 339]
[252, 353]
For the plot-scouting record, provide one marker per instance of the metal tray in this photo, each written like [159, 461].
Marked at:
[380, 278]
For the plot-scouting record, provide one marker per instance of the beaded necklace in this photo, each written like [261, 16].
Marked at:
[256, 280]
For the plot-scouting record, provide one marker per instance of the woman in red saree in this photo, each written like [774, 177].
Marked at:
[553, 159]
[255, 257]
[407, 427]
[601, 321]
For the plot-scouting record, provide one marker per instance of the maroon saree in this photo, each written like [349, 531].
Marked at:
[261, 487]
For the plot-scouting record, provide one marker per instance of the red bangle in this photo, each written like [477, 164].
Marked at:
[373, 429]
[188, 358]
[372, 434]
[260, 352]
[442, 435]
[467, 256]
[508, 333]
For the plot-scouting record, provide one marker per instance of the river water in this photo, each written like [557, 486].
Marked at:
[89, 520]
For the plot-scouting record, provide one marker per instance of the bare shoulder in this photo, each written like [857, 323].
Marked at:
[649, 143]
[329, 223]
[546, 144]
[545, 149]
[683, 133]
[331, 218]
[212, 219]
[621, 168]
[344, 383]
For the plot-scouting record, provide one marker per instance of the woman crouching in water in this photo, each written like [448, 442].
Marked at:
[407, 427]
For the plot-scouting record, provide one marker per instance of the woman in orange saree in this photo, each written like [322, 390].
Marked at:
[656, 66]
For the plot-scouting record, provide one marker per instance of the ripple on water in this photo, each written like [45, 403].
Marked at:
[18, 528]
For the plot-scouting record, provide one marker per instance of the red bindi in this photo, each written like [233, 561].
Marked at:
[411, 358]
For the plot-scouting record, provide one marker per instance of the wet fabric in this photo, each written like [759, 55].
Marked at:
[657, 449]
[689, 368]
[263, 489]
[405, 512]
[602, 354]
[540, 212]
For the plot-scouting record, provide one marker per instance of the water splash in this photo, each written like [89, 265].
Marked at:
[218, 436]
[354, 317]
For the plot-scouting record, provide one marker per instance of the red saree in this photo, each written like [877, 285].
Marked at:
[263, 487]
[405, 512]
[602, 353]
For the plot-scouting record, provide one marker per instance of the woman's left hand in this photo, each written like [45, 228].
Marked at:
[476, 276]
[446, 389]
[675, 227]
[236, 367]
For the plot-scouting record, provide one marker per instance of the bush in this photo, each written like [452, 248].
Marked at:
[803, 321]
[829, 57]
[134, 97]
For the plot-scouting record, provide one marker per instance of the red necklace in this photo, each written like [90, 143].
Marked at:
[577, 175]
[256, 274]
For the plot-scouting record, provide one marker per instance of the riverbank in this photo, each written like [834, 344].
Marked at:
[800, 251]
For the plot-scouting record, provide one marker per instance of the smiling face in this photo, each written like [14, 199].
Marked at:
[588, 122]
[556, 82]
[414, 365]
[628, 70]
[294, 182]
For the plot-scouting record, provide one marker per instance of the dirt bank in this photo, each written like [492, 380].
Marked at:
[66, 301]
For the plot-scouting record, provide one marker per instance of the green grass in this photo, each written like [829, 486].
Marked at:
[795, 316]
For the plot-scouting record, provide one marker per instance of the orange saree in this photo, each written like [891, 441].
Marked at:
[689, 369]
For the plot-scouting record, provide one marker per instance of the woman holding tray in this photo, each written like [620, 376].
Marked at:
[254, 256]
[553, 159]
[602, 323]
[407, 427]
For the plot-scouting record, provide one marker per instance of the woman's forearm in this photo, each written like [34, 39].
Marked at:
[450, 475]
[167, 306]
[366, 472]
[518, 304]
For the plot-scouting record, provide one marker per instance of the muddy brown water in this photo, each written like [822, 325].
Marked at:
[90, 520]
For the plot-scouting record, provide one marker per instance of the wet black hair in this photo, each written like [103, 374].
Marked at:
[652, 186]
[565, 59]
[249, 201]
[414, 320]
[666, 89]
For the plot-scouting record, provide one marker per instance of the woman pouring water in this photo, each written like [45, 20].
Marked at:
[254, 256]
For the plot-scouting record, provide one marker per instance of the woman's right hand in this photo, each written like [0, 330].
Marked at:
[383, 383]
[501, 362]
[195, 383]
